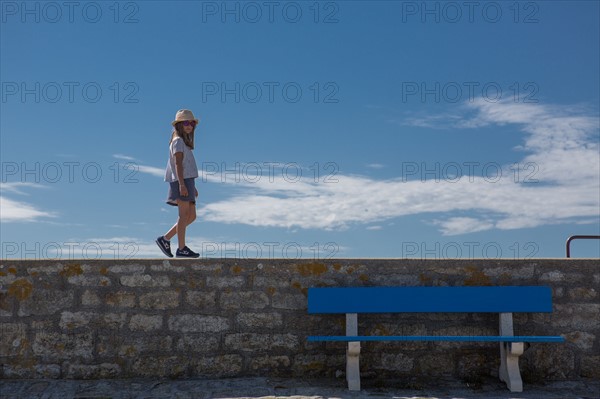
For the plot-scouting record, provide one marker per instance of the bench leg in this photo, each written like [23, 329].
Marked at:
[352, 353]
[509, 356]
[509, 365]
[352, 366]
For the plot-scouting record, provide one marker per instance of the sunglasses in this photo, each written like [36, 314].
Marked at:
[188, 123]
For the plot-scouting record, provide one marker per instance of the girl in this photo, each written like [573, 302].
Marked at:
[180, 173]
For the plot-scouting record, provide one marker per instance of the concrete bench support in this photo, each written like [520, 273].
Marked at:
[352, 353]
[509, 355]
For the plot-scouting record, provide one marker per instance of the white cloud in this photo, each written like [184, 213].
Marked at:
[125, 157]
[375, 165]
[461, 225]
[444, 121]
[15, 187]
[17, 211]
[563, 158]
[151, 170]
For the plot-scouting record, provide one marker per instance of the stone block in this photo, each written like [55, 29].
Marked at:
[188, 281]
[244, 300]
[583, 340]
[557, 276]
[464, 330]
[71, 320]
[261, 342]
[108, 342]
[47, 371]
[397, 362]
[289, 301]
[45, 269]
[42, 326]
[112, 320]
[270, 364]
[388, 280]
[434, 364]
[89, 281]
[214, 268]
[551, 361]
[160, 300]
[120, 299]
[313, 365]
[201, 299]
[90, 298]
[225, 282]
[583, 316]
[127, 269]
[13, 338]
[161, 367]
[6, 304]
[512, 272]
[228, 365]
[259, 320]
[197, 323]
[94, 321]
[145, 280]
[135, 346]
[53, 345]
[203, 343]
[141, 322]
[583, 294]
[271, 281]
[30, 371]
[91, 371]
[590, 367]
[472, 365]
[167, 267]
[7, 280]
[46, 302]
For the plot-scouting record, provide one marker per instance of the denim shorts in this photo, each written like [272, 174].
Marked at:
[175, 195]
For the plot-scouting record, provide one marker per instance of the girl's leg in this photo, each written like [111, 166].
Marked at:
[192, 213]
[171, 232]
[182, 222]
[191, 218]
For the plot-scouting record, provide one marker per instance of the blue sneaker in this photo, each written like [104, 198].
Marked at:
[186, 253]
[164, 246]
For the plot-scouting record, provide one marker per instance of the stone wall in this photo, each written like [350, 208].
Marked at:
[232, 317]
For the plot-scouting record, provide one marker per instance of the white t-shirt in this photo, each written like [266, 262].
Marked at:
[189, 162]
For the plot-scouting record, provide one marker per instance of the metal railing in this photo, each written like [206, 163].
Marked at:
[578, 238]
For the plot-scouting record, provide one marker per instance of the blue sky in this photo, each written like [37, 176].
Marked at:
[382, 129]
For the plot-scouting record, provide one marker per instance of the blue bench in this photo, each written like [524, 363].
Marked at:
[503, 300]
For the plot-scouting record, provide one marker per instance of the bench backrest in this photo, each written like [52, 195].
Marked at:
[502, 299]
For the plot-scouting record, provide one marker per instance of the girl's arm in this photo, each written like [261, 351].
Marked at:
[179, 171]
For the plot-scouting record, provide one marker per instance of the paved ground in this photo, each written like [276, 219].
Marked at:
[284, 388]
